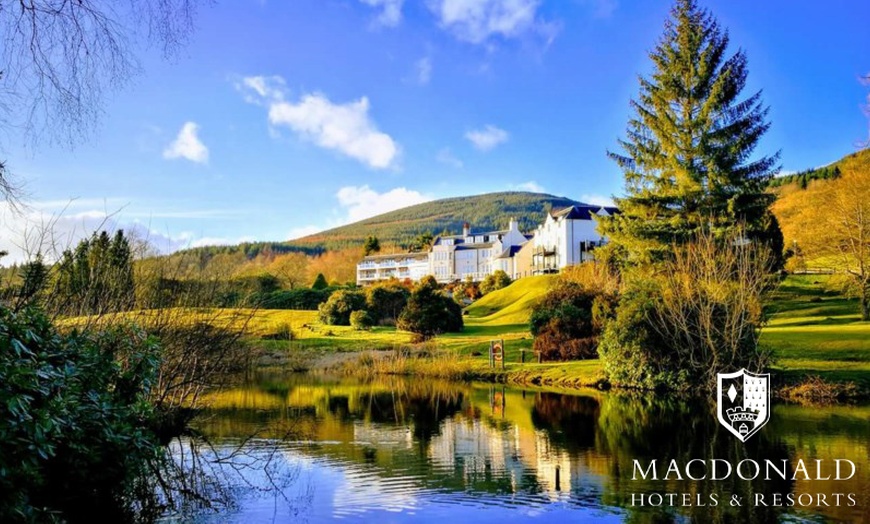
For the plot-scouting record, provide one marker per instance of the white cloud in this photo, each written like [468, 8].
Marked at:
[346, 128]
[187, 145]
[271, 87]
[423, 70]
[487, 138]
[530, 186]
[391, 11]
[597, 200]
[363, 202]
[51, 226]
[476, 21]
[445, 156]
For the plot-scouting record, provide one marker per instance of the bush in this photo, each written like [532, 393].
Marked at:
[430, 312]
[466, 292]
[282, 332]
[386, 300]
[361, 320]
[497, 280]
[75, 420]
[336, 311]
[319, 282]
[568, 321]
[699, 315]
[300, 298]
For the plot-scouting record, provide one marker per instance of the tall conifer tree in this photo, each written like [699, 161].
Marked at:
[687, 157]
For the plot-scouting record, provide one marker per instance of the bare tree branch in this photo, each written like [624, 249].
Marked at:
[60, 58]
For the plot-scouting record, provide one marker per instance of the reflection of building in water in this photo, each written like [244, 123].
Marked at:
[483, 450]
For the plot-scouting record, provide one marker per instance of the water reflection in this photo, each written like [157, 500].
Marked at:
[422, 450]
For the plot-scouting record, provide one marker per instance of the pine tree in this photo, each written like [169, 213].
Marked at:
[688, 153]
[319, 282]
[372, 245]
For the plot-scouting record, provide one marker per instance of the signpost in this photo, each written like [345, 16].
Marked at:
[496, 353]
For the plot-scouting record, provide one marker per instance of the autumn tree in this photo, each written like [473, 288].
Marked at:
[291, 269]
[688, 155]
[336, 265]
[835, 226]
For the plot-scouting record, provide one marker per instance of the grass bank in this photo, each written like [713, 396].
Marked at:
[821, 346]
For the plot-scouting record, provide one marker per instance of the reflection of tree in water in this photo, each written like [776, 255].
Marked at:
[649, 427]
[569, 420]
[423, 409]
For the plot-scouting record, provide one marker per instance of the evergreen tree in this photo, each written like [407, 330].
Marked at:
[372, 245]
[97, 277]
[687, 158]
[320, 282]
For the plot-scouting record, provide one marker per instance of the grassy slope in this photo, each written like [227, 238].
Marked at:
[817, 332]
[812, 332]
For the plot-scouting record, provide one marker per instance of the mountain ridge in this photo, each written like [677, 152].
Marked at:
[488, 211]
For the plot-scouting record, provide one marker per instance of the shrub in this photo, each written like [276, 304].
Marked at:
[361, 320]
[75, 420]
[300, 298]
[467, 291]
[336, 311]
[497, 280]
[320, 282]
[430, 312]
[386, 300]
[282, 332]
[700, 314]
[568, 321]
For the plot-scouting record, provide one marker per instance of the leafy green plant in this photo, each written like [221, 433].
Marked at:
[361, 320]
[430, 312]
[75, 419]
[336, 311]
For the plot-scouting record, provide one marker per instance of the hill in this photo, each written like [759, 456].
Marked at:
[791, 190]
[489, 211]
[512, 304]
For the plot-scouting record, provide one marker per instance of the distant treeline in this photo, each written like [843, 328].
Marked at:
[252, 249]
[803, 178]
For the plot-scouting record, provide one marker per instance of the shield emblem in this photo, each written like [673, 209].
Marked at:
[743, 402]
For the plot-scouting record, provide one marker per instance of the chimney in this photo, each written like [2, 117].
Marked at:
[513, 225]
[466, 229]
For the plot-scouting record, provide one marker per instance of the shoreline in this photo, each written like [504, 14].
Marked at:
[569, 376]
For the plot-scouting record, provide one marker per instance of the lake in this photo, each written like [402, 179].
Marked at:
[317, 449]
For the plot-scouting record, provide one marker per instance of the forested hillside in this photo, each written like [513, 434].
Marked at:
[484, 212]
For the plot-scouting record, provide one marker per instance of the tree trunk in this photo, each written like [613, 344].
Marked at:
[865, 302]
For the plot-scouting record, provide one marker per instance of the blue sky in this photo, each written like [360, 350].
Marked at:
[284, 117]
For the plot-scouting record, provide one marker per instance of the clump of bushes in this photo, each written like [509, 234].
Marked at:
[495, 281]
[466, 292]
[386, 300]
[430, 312]
[75, 420]
[568, 322]
[337, 309]
[700, 313]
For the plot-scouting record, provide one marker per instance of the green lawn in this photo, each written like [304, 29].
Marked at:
[816, 331]
[813, 331]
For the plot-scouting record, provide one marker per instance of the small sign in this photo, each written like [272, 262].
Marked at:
[496, 353]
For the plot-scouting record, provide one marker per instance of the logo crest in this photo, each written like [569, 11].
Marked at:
[743, 402]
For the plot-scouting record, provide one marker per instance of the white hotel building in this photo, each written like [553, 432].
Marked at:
[566, 237]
